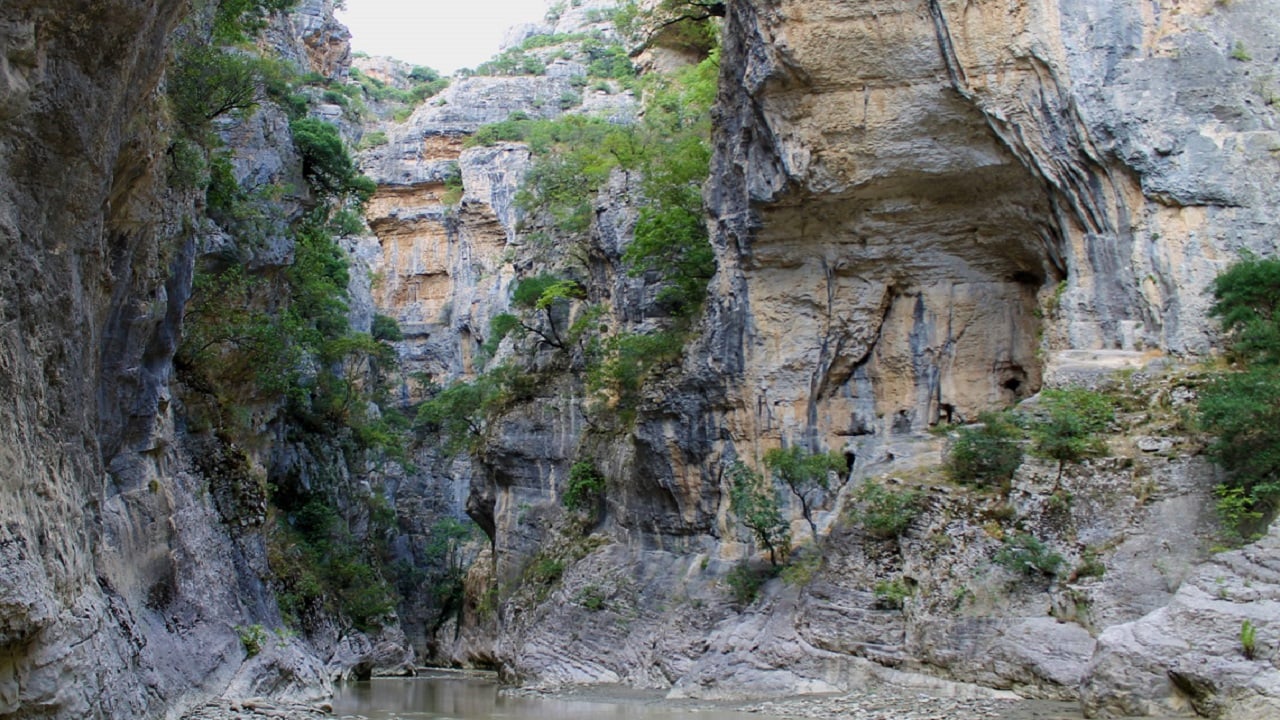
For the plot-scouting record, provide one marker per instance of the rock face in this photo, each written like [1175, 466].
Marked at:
[121, 568]
[1189, 655]
[916, 199]
[922, 210]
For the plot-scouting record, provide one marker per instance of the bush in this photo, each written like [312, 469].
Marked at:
[987, 453]
[745, 581]
[546, 570]
[585, 487]
[591, 597]
[1026, 554]
[374, 139]
[1242, 409]
[253, 638]
[1069, 432]
[1248, 639]
[883, 512]
[892, 594]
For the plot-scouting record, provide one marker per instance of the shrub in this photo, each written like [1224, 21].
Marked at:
[801, 568]
[885, 513]
[745, 581]
[546, 570]
[1248, 638]
[892, 594]
[1242, 409]
[1069, 432]
[585, 487]
[1026, 554]
[374, 139]
[629, 359]
[987, 453]
[253, 638]
[591, 597]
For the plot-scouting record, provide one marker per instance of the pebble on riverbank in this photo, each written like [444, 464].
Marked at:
[904, 706]
[258, 709]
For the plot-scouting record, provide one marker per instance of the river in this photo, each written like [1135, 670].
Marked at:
[464, 697]
[471, 696]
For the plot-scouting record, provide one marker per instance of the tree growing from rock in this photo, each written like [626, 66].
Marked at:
[807, 475]
[755, 502]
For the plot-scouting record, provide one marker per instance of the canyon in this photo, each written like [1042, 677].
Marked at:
[919, 211]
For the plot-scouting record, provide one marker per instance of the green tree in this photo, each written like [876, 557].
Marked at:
[807, 475]
[208, 82]
[447, 565]
[326, 161]
[1242, 409]
[1069, 431]
[987, 453]
[755, 502]
[236, 21]
[544, 296]
[458, 413]
[685, 24]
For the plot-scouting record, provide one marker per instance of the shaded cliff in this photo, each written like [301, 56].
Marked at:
[127, 566]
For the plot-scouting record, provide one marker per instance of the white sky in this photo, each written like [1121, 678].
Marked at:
[442, 34]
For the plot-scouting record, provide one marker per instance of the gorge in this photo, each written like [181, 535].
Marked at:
[360, 368]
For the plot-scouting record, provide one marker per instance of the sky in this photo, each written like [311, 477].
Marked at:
[441, 34]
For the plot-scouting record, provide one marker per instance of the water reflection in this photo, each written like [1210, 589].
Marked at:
[463, 698]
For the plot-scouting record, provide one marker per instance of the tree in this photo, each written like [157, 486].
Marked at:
[987, 453]
[756, 505]
[807, 475]
[458, 413]
[686, 24]
[326, 163]
[1242, 409]
[236, 21]
[208, 82]
[1069, 433]
[545, 294]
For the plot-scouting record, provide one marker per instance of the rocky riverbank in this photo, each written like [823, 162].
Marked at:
[258, 709]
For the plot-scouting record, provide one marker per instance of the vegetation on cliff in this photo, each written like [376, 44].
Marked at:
[1242, 408]
[267, 342]
[575, 159]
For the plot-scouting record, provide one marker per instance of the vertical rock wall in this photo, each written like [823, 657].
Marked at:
[926, 196]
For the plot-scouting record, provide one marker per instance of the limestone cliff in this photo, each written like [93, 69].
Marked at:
[124, 582]
[921, 211]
